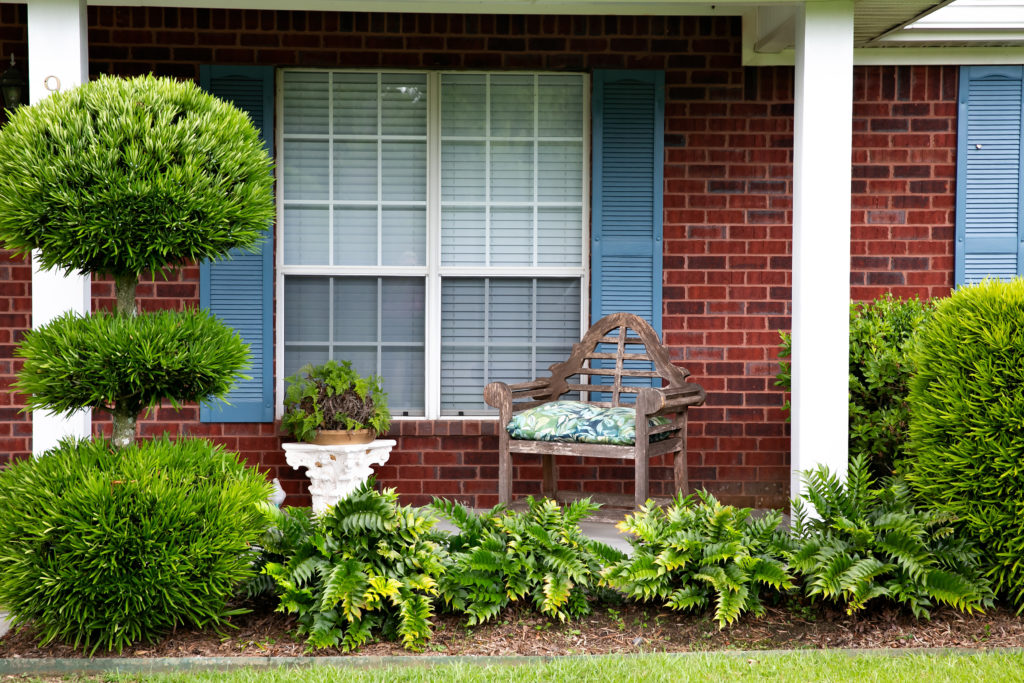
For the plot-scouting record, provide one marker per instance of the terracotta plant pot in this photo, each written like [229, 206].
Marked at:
[342, 437]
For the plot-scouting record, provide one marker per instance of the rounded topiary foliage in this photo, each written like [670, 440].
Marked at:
[121, 176]
[127, 364]
[966, 446]
[103, 549]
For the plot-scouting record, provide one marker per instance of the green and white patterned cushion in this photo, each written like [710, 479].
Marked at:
[574, 421]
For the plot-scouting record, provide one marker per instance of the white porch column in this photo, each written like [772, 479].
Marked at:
[57, 54]
[822, 150]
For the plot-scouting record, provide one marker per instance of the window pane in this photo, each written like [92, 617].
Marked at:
[512, 171]
[306, 171]
[511, 237]
[559, 237]
[502, 329]
[355, 310]
[404, 236]
[511, 106]
[463, 104]
[463, 237]
[355, 104]
[463, 171]
[297, 356]
[560, 105]
[305, 235]
[560, 171]
[305, 300]
[355, 236]
[402, 369]
[305, 103]
[404, 104]
[403, 310]
[404, 167]
[355, 171]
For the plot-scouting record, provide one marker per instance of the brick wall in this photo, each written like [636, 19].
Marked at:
[727, 211]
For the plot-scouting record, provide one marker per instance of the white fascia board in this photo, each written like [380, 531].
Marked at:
[904, 56]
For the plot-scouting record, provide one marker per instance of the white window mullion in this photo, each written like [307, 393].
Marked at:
[536, 168]
[487, 170]
[380, 173]
[330, 168]
[432, 326]
[380, 325]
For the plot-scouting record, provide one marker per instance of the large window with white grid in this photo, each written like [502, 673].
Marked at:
[431, 228]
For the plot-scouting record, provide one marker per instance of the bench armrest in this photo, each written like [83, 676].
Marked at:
[499, 395]
[669, 399]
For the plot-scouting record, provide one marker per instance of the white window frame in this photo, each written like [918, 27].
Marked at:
[433, 272]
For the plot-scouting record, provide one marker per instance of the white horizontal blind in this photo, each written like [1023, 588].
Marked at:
[507, 264]
[508, 329]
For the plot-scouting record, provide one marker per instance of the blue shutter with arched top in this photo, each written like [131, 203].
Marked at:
[989, 201]
[628, 110]
[240, 290]
[626, 246]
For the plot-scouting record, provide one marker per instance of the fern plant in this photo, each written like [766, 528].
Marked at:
[540, 555]
[696, 551]
[369, 565]
[867, 542]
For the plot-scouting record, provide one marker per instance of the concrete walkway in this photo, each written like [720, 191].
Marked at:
[5, 625]
[598, 528]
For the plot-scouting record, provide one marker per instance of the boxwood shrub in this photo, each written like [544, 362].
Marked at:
[103, 549]
[882, 334]
[967, 427]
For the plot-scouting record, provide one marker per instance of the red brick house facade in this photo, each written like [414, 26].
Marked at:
[727, 220]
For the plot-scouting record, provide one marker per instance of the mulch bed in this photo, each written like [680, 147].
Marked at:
[624, 628]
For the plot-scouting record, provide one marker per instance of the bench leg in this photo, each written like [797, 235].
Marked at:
[550, 487]
[640, 468]
[504, 471]
[682, 479]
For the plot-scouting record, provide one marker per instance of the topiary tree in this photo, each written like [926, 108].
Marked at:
[118, 177]
[967, 412]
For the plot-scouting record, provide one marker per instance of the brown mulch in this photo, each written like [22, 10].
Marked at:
[625, 628]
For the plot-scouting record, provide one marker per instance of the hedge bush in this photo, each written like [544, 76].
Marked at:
[967, 427]
[882, 334]
[119, 176]
[103, 549]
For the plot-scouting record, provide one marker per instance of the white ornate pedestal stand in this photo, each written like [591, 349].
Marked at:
[336, 471]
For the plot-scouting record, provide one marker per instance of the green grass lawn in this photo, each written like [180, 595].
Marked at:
[797, 666]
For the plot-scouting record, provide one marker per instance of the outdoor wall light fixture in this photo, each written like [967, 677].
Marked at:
[13, 85]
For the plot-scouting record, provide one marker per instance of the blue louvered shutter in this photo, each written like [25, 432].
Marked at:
[626, 246]
[989, 234]
[239, 290]
[628, 121]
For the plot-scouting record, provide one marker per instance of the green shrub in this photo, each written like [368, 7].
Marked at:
[691, 552]
[104, 549]
[333, 396]
[967, 431]
[127, 364]
[368, 565]
[869, 542]
[121, 176]
[882, 335]
[541, 554]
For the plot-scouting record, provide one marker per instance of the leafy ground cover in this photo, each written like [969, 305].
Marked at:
[623, 629]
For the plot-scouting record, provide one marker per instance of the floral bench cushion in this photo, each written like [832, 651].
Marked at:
[574, 421]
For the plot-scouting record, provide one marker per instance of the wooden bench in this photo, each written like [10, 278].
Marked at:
[605, 353]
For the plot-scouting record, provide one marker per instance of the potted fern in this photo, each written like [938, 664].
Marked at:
[332, 404]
